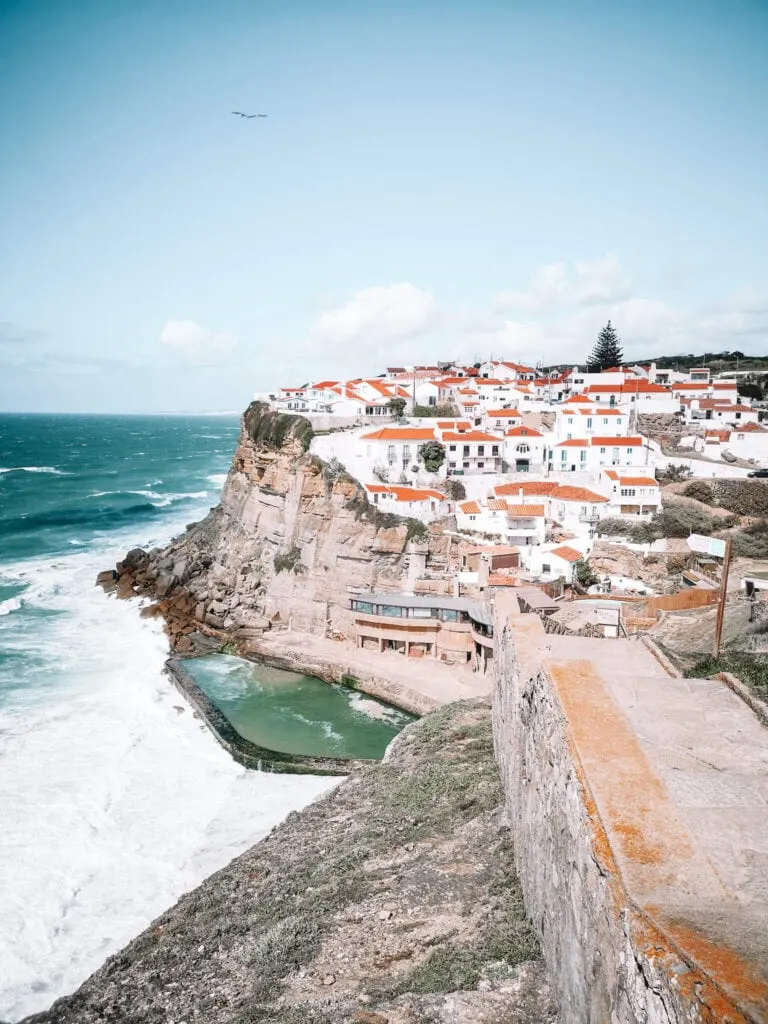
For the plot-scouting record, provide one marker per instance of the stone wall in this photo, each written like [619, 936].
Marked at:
[608, 961]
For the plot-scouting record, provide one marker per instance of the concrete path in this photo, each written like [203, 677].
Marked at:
[678, 770]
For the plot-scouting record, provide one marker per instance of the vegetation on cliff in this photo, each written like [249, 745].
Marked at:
[272, 430]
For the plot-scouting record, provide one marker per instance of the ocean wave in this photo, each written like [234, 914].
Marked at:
[218, 479]
[166, 807]
[34, 469]
[11, 604]
[170, 499]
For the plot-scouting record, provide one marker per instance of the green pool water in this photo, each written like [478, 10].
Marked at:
[296, 714]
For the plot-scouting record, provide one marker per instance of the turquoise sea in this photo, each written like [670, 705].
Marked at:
[114, 799]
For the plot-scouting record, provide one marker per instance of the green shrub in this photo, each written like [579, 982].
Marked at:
[446, 411]
[270, 429]
[432, 454]
[585, 575]
[455, 489]
[289, 561]
[613, 528]
[700, 491]
[752, 541]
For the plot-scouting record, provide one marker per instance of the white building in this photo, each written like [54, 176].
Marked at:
[424, 504]
[571, 422]
[632, 495]
[472, 451]
[524, 450]
[395, 448]
[594, 453]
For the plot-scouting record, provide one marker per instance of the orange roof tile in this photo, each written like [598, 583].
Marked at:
[470, 508]
[538, 488]
[569, 492]
[575, 442]
[569, 554]
[639, 481]
[454, 425]
[401, 434]
[497, 504]
[522, 431]
[469, 435]
[577, 400]
[526, 510]
[501, 414]
[618, 442]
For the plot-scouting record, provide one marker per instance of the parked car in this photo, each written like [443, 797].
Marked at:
[758, 472]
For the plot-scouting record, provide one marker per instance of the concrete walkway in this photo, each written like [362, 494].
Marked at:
[420, 684]
[678, 771]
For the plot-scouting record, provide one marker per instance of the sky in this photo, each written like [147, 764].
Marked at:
[443, 179]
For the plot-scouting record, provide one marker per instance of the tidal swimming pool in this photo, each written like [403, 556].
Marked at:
[296, 714]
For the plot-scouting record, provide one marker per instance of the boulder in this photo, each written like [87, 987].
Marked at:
[165, 581]
[107, 580]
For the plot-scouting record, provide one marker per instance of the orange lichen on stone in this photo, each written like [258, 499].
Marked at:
[633, 802]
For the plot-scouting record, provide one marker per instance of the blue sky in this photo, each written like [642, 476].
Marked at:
[434, 179]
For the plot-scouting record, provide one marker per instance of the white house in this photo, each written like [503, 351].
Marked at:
[593, 453]
[423, 504]
[472, 451]
[501, 419]
[717, 411]
[395, 448]
[573, 422]
[524, 450]
[551, 562]
[632, 495]
[519, 525]
[577, 508]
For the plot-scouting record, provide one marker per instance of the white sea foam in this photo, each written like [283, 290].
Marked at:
[169, 499]
[35, 469]
[112, 801]
[11, 604]
[218, 479]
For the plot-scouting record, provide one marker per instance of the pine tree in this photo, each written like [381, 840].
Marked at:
[607, 351]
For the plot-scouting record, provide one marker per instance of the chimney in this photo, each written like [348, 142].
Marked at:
[520, 495]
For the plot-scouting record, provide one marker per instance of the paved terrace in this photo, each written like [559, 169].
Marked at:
[675, 774]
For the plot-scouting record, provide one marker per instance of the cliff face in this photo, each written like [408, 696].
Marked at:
[292, 538]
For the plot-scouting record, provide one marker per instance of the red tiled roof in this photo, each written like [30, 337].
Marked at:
[538, 488]
[618, 442]
[454, 425]
[569, 554]
[639, 481]
[577, 400]
[575, 442]
[401, 434]
[470, 507]
[525, 510]
[504, 413]
[497, 504]
[569, 492]
[469, 435]
[522, 431]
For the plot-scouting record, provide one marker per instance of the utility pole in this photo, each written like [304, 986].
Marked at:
[723, 594]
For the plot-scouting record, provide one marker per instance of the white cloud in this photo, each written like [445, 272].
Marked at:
[195, 344]
[554, 286]
[377, 314]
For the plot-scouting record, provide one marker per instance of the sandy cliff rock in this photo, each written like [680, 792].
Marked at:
[291, 540]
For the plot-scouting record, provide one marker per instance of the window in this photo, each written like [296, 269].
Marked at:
[583, 510]
[481, 465]
[563, 455]
[451, 447]
[494, 450]
[523, 449]
[605, 420]
[615, 456]
[473, 518]
[545, 568]
[627, 492]
[390, 454]
[481, 449]
[406, 453]
[569, 437]
[465, 452]
[431, 400]
[376, 499]
[465, 465]
[618, 421]
[589, 422]
[583, 455]
[570, 421]
[602, 451]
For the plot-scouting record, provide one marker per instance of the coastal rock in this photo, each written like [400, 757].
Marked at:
[290, 542]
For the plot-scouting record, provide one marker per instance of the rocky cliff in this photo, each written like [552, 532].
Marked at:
[291, 540]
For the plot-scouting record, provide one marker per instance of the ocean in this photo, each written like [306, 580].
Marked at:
[114, 798]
